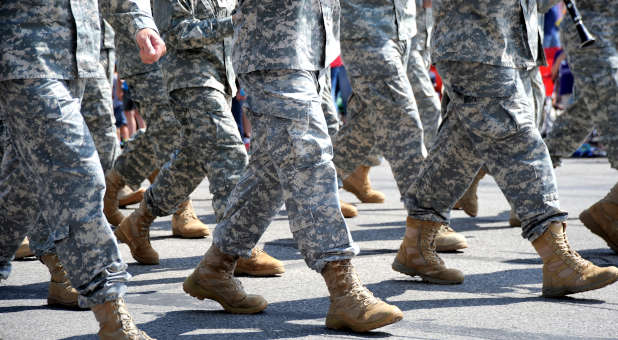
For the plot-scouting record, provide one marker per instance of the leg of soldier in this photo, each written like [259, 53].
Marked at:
[595, 70]
[426, 97]
[498, 124]
[147, 151]
[384, 111]
[211, 145]
[152, 149]
[291, 142]
[297, 150]
[98, 112]
[83, 238]
[14, 188]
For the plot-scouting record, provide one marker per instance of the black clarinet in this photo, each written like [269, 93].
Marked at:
[585, 36]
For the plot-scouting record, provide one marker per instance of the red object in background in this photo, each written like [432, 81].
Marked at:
[337, 62]
[438, 87]
[550, 53]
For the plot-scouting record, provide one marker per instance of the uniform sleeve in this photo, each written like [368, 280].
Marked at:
[187, 32]
[128, 16]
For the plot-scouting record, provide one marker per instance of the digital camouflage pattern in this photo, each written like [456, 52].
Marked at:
[40, 107]
[328, 106]
[493, 34]
[286, 35]
[378, 20]
[419, 62]
[211, 147]
[489, 122]
[83, 239]
[196, 73]
[97, 110]
[150, 150]
[198, 35]
[382, 112]
[127, 51]
[290, 163]
[595, 69]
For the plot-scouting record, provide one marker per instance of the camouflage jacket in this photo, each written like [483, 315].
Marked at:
[198, 34]
[378, 19]
[283, 34]
[127, 52]
[495, 32]
[58, 39]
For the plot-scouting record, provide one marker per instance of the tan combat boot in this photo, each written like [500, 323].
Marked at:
[114, 182]
[61, 293]
[116, 323]
[348, 210]
[602, 218]
[358, 183]
[213, 279]
[126, 196]
[417, 254]
[469, 202]
[185, 223]
[514, 221]
[259, 264]
[564, 270]
[352, 305]
[448, 239]
[23, 250]
[134, 230]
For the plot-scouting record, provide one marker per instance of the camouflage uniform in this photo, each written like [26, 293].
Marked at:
[200, 79]
[148, 151]
[488, 122]
[51, 161]
[281, 51]
[595, 69]
[419, 62]
[383, 113]
[97, 106]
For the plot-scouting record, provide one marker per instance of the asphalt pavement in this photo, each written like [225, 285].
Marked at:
[500, 298]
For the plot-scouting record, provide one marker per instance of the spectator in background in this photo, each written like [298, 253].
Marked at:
[121, 119]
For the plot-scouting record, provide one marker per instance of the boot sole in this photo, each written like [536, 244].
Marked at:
[192, 288]
[557, 293]
[452, 247]
[123, 239]
[398, 267]
[63, 304]
[590, 223]
[336, 323]
[262, 273]
[196, 235]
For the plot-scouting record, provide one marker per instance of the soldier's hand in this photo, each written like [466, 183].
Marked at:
[151, 46]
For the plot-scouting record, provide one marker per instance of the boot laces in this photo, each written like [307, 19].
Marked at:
[570, 256]
[428, 246]
[357, 290]
[126, 320]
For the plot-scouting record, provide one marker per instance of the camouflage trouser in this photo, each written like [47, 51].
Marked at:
[51, 162]
[290, 163]
[210, 146]
[488, 123]
[148, 151]
[427, 98]
[595, 70]
[328, 106]
[98, 112]
[382, 111]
